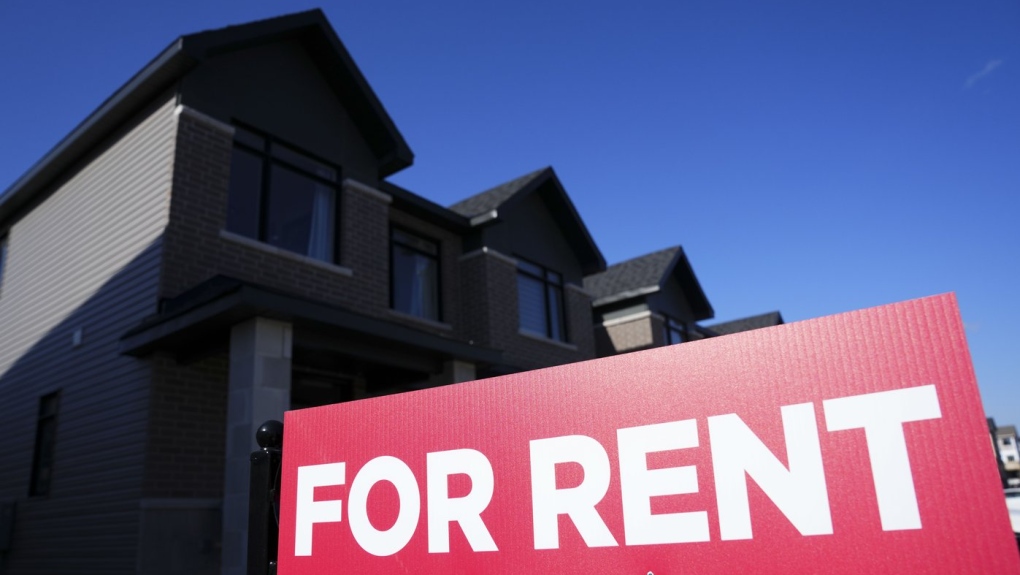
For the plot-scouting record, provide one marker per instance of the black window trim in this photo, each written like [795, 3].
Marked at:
[669, 325]
[265, 154]
[439, 266]
[546, 284]
[38, 487]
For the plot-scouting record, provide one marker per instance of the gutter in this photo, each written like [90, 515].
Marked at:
[165, 68]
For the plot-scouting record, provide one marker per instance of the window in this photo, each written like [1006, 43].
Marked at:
[45, 445]
[676, 332]
[3, 262]
[414, 281]
[540, 301]
[282, 197]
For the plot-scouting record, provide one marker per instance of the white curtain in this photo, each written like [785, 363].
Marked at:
[424, 294]
[320, 235]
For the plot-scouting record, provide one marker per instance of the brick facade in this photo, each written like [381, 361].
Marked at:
[644, 331]
[489, 287]
[186, 433]
[196, 249]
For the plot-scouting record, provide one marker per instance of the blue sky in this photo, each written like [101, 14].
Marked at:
[811, 157]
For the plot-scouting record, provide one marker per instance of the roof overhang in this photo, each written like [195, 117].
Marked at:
[684, 274]
[548, 186]
[181, 56]
[162, 72]
[207, 312]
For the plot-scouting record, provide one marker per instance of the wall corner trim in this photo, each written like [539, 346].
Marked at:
[488, 252]
[182, 110]
[369, 191]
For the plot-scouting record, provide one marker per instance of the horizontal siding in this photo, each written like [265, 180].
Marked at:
[86, 257]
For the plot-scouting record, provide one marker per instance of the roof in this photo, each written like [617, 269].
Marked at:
[311, 28]
[494, 198]
[748, 323]
[485, 208]
[209, 309]
[1005, 430]
[645, 275]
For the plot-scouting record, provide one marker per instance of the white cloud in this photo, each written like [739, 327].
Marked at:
[988, 69]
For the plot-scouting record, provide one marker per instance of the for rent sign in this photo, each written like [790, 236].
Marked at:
[849, 444]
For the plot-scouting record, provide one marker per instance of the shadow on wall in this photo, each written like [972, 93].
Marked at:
[125, 492]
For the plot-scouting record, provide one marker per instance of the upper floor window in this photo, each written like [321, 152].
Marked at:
[676, 332]
[283, 197]
[414, 282]
[540, 301]
[3, 262]
[45, 445]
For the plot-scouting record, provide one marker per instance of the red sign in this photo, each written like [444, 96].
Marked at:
[854, 443]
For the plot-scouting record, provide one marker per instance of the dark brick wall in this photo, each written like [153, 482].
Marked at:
[194, 251]
[489, 306]
[479, 292]
[186, 428]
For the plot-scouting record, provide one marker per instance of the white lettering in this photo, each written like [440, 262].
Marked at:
[638, 484]
[383, 543]
[467, 510]
[882, 416]
[578, 503]
[308, 511]
[800, 492]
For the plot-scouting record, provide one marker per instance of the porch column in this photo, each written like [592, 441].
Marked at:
[460, 371]
[259, 389]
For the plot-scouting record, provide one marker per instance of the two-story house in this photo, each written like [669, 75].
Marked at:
[217, 243]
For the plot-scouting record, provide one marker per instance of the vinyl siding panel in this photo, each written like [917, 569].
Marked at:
[86, 257]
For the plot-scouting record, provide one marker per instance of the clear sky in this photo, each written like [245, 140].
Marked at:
[811, 157]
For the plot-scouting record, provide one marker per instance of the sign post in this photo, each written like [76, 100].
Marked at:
[854, 443]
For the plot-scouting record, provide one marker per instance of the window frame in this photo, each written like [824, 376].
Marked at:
[44, 453]
[550, 280]
[671, 326]
[437, 258]
[244, 139]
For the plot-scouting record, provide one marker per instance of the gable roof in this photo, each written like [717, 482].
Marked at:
[645, 275]
[748, 323]
[311, 28]
[483, 208]
[494, 198]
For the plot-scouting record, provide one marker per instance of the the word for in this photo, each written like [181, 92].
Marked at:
[797, 489]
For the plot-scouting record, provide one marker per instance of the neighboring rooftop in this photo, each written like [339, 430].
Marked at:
[493, 198]
[637, 276]
[748, 323]
[646, 275]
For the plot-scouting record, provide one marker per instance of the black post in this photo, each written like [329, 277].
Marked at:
[264, 500]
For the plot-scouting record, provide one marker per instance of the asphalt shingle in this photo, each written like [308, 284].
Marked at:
[494, 197]
[748, 323]
[647, 271]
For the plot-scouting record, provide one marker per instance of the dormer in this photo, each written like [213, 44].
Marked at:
[648, 301]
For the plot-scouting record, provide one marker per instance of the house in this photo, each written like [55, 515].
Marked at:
[747, 323]
[646, 302]
[218, 243]
[1009, 453]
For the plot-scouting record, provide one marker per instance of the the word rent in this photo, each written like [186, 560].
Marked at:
[798, 489]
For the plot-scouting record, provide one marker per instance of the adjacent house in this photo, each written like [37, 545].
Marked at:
[760, 321]
[646, 302]
[1009, 452]
[218, 243]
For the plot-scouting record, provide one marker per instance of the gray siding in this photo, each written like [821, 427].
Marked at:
[86, 257]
